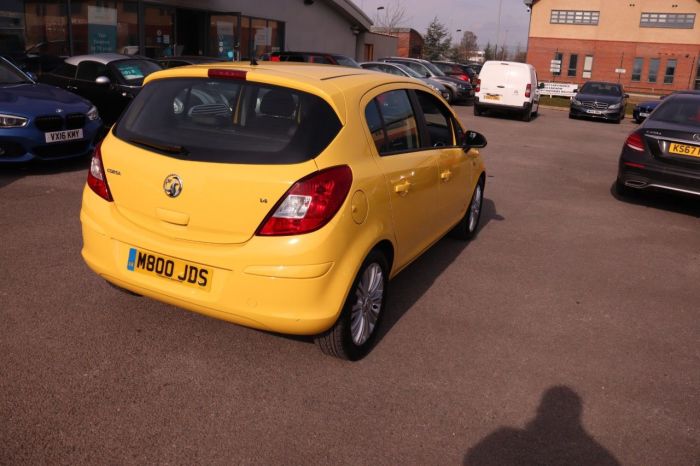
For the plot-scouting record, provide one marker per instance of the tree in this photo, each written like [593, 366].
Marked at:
[489, 53]
[437, 41]
[392, 16]
[469, 43]
[519, 54]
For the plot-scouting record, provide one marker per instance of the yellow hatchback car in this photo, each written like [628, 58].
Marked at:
[281, 196]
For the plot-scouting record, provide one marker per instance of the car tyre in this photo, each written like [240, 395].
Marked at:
[450, 96]
[355, 331]
[477, 110]
[468, 227]
[527, 115]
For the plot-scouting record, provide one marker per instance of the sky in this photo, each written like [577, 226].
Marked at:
[478, 16]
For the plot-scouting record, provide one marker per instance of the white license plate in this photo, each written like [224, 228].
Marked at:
[594, 112]
[643, 114]
[67, 135]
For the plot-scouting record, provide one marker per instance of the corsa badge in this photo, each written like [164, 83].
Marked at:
[172, 185]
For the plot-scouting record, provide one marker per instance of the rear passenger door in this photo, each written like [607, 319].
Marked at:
[455, 168]
[411, 174]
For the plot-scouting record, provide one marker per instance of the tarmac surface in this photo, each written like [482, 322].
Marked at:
[566, 333]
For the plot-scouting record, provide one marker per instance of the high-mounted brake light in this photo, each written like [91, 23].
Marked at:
[309, 204]
[227, 74]
[635, 142]
[528, 90]
[96, 176]
[478, 85]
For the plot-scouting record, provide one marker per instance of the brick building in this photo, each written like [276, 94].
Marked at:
[410, 41]
[650, 46]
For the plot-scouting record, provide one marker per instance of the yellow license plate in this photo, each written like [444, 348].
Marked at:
[187, 273]
[684, 149]
[492, 97]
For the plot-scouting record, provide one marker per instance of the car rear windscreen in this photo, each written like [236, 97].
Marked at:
[679, 109]
[228, 121]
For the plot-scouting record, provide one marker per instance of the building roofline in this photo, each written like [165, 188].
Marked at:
[351, 12]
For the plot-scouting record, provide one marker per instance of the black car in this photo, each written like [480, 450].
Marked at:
[461, 90]
[323, 58]
[458, 70]
[602, 100]
[664, 152]
[108, 80]
[184, 60]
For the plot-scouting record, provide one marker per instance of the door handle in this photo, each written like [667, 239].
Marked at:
[402, 188]
[446, 175]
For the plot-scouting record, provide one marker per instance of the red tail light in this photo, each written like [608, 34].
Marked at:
[635, 142]
[463, 77]
[478, 85]
[96, 176]
[275, 58]
[309, 204]
[227, 74]
[528, 90]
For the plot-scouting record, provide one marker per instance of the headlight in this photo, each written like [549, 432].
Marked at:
[614, 107]
[575, 102]
[92, 114]
[11, 121]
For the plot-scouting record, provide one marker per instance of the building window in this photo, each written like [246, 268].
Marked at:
[587, 67]
[104, 26]
[670, 71]
[573, 63]
[637, 69]
[653, 69]
[574, 17]
[46, 30]
[668, 20]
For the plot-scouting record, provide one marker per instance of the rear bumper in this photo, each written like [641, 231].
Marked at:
[645, 174]
[267, 283]
[497, 106]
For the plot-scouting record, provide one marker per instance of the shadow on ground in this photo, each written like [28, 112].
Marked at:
[11, 173]
[554, 437]
[679, 203]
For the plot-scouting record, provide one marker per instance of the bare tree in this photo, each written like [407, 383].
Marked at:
[466, 47]
[393, 15]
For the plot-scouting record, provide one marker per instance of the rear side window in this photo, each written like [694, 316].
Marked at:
[66, 70]
[90, 70]
[399, 127]
[229, 121]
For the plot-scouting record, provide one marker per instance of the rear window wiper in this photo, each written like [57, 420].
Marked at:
[167, 148]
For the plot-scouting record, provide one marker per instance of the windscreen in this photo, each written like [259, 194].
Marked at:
[10, 75]
[228, 121]
[683, 110]
[133, 71]
[612, 90]
[346, 61]
[408, 70]
[436, 71]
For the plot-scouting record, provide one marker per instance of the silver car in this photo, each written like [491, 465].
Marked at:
[403, 70]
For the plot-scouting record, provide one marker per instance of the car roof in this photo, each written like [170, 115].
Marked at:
[103, 58]
[332, 83]
[193, 58]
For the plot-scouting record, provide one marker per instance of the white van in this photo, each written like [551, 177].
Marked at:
[507, 85]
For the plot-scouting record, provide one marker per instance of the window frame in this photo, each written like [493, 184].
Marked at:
[640, 61]
[668, 78]
[572, 70]
[654, 69]
[655, 19]
[575, 17]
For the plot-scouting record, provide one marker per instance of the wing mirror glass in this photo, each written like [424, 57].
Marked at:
[473, 140]
[103, 80]
[540, 86]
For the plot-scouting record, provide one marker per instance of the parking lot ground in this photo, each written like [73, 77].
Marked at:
[565, 333]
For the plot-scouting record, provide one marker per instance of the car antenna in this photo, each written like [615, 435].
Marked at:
[253, 61]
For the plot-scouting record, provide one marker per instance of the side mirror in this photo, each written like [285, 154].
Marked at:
[575, 91]
[540, 86]
[32, 76]
[473, 140]
[103, 81]
[627, 96]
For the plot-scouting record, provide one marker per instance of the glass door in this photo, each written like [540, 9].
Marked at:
[223, 35]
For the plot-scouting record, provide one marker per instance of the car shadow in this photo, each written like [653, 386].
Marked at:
[11, 173]
[662, 200]
[508, 115]
[554, 436]
[413, 282]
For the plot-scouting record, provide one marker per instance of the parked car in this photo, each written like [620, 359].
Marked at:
[42, 122]
[184, 60]
[402, 70]
[664, 152]
[508, 86]
[602, 100]
[108, 80]
[462, 72]
[282, 198]
[643, 109]
[461, 91]
[315, 57]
